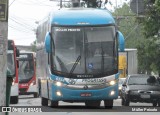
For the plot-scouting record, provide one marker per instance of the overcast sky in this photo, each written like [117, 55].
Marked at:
[24, 13]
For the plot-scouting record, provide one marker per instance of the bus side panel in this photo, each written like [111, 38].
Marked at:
[14, 87]
[42, 60]
[41, 73]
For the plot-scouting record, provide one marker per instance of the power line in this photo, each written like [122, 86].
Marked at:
[13, 27]
[12, 3]
[22, 22]
[34, 3]
[23, 25]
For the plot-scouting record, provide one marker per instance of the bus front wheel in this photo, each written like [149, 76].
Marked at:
[53, 104]
[35, 95]
[108, 104]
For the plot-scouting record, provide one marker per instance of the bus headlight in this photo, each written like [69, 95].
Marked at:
[112, 82]
[112, 92]
[58, 84]
[33, 83]
[58, 93]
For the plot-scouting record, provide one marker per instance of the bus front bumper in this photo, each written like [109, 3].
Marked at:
[67, 94]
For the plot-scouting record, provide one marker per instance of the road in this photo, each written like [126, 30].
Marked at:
[79, 108]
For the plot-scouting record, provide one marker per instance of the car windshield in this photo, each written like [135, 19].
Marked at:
[121, 81]
[140, 80]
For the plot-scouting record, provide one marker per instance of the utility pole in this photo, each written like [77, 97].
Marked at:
[60, 3]
[3, 50]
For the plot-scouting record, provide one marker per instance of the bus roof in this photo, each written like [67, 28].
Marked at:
[82, 16]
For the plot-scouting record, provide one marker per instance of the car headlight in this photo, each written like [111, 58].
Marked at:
[119, 87]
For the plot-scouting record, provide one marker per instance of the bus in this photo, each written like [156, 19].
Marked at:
[77, 57]
[12, 65]
[27, 74]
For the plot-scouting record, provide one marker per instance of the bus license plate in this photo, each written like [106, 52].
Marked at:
[86, 94]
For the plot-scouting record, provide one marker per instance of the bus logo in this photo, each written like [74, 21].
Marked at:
[85, 87]
[72, 81]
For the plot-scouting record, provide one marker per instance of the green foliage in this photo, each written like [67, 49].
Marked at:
[142, 33]
[128, 25]
[151, 21]
[151, 44]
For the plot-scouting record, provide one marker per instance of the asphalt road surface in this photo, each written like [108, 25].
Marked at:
[80, 109]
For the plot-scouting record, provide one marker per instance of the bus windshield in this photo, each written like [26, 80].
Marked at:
[11, 61]
[26, 69]
[84, 50]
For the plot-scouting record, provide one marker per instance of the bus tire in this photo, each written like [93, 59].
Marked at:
[53, 104]
[35, 95]
[108, 104]
[44, 101]
[14, 99]
[92, 104]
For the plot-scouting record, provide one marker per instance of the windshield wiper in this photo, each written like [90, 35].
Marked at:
[61, 64]
[75, 64]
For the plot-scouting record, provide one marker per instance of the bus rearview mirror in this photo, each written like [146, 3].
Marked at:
[121, 41]
[47, 42]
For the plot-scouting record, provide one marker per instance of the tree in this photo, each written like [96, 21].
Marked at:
[151, 31]
[151, 20]
[127, 24]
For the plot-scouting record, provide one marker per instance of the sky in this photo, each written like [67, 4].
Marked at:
[23, 15]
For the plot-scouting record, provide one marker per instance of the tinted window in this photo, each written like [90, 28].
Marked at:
[139, 80]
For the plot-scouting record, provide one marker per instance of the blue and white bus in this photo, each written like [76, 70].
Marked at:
[77, 57]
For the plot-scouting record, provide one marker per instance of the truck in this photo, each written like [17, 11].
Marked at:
[128, 62]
